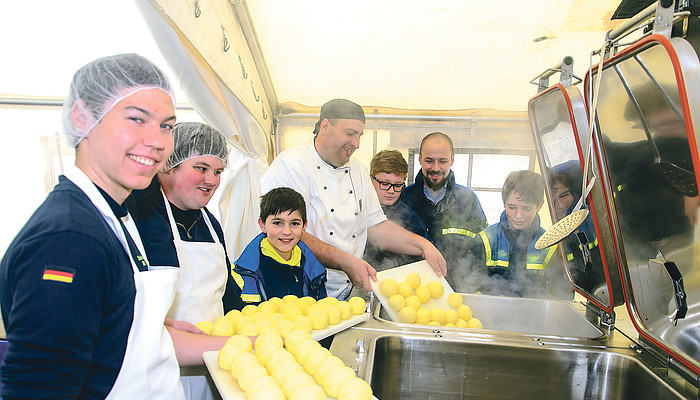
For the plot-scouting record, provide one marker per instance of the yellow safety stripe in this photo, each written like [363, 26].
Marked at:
[487, 247]
[458, 231]
[250, 298]
[236, 277]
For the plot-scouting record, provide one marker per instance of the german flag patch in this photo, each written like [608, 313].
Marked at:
[58, 274]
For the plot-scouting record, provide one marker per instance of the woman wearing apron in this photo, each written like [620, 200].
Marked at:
[83, 308]
[177, 229]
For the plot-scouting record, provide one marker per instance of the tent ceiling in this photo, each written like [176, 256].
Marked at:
[413, 54]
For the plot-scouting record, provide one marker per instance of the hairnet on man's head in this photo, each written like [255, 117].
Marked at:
[194, 139]
[102, 83]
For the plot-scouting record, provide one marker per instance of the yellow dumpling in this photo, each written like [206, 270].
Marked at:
[250, 329]
[355, 389]
[319, 317]
[276, 301]
[455, 299]
[248, 375]
[266, 337]
[405, 289]
[240, 343]
[240, 362]
[303, 322]
[303, 350]
[436, 289]
[461, 323]
[407, 315]
[437, 314]
[334, 314]
[205, 326]
[283, 367]
[464, 312]
[226, 356]
[413, 279]
[315, 358]
[249, 310]
[290, 310]
[308, 392]
[474, 323]
[284, 326]
[358, 304]
[264, 351]
[290, 298]
[295, 337]
[413, 302]
[335, 379]
[265, 392]
[291, 381]
[325, 366]
[423, 294]
[397, 302]
[267, 307]
[233, 315]
[422, 316]
[345, 309]
[451, 317]
[388, 287]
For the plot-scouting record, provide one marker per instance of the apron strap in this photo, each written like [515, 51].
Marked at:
[134, 250]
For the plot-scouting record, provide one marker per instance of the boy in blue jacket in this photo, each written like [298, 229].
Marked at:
[276, 263]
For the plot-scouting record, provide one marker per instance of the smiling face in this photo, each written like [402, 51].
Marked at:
[387, 197]
[283, 231]
[130, 144]
[192, 183]
[335, 144]
[436, 159]
[520, 213]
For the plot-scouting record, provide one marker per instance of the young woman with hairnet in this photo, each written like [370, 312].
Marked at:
[177, 229]
[83, 308]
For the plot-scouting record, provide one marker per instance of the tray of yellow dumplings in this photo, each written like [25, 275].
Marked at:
[296, 367]
[414, 294]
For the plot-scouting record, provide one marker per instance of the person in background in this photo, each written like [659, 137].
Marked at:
[177, 229]
[586, 267]
[504, 256]
[84, 312]
[451, 212]
[388, 170]
[277, 263]
[343, 210]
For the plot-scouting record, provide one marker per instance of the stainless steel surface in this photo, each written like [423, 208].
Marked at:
[547, 318]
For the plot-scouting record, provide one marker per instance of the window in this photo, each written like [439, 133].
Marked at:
[484, 171]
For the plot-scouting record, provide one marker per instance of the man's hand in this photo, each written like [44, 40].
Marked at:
[434, 258]
[360, 272]
[183, 326]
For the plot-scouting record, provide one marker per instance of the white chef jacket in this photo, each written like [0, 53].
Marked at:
[341, 203]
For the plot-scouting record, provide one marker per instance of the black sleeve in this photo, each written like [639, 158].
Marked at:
[53, 326]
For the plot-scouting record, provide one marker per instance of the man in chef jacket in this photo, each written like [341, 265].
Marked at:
[342, 205]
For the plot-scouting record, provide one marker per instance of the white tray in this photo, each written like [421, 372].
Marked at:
[427, 274]
[227, 386]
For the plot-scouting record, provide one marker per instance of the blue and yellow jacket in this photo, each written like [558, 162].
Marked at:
[262, 274]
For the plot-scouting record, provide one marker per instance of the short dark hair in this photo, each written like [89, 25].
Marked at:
[282, 199]
[527, 184]
[436, 135]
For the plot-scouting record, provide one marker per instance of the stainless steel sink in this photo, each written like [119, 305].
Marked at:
[404, 367]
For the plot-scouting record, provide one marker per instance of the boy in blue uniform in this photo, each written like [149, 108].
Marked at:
[276, 263]
[504, 258]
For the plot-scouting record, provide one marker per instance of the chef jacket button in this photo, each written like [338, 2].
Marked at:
[353, 236]
[346, 171]
[331, 233]
[318, 167]
[355, 213]
[325, 188]
[332, 210]
[351, 192]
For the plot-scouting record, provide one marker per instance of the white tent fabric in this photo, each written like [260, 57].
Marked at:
[235, 115]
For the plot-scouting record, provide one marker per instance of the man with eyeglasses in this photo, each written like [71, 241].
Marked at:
[388, 170]
[343, 210]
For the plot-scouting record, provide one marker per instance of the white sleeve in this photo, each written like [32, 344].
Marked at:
[286, 173]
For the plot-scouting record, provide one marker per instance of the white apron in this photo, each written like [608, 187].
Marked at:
[203, 275]
[149, 369]
[200, 288]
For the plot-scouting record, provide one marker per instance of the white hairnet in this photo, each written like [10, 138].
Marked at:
[102, 83]
[194, 139]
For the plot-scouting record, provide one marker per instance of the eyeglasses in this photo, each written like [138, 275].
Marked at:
[398, 187]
